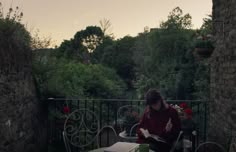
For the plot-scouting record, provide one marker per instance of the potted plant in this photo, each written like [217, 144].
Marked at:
[204, 46]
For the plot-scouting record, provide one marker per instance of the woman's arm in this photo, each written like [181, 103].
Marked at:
[172, 135]
[142, 124]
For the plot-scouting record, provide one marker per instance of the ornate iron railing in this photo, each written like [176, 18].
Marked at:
[106, 110]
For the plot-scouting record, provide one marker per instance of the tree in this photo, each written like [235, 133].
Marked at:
[71, 79]
[202, 74]
[100, 51]
[165, 55]
[142, 57]
[83, 44]
[106, 27]
[67, 50]
[176, 20]
[89, 38]
[207, 27]
[119, 57]
[38, 42]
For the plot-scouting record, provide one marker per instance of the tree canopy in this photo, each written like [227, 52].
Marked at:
[162, 58]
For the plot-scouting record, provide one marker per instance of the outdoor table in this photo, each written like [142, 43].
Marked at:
[103, 148]
[99, 149]
[127, 138]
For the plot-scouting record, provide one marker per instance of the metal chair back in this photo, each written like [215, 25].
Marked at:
[80, 129]
[232, 147]
[177, 142]
[128, 116]
[210, 146]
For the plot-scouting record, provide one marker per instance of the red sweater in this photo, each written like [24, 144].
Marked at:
[155, 122]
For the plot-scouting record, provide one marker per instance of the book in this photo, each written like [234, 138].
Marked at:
[122, 147]
[148, 135]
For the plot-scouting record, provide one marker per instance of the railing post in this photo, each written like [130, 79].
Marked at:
[205, 123]
[100, 121]
[108, 115]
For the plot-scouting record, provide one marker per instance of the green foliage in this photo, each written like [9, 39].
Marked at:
[207, 26]
[89, 38]
[202, 81]
[13, 33]
[60, 77]
[204, 37]
[13, 15]
[67, 71]
[66, 50]
[82, 45]
[176, 20]
[14, 42]
[98, 54]
[202, 74]
[119, 57]
[167, 61]
[38, 42]
[165, 56]
[94, 65]
[85, 81]
[44, 64]
[203, 43]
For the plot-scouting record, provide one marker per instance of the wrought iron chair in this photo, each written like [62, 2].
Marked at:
[210, 146]
[177, 143]
[189, 141]
[216, 147]
[106, 136]
[128, 117]
[232, 147]
[82, 130]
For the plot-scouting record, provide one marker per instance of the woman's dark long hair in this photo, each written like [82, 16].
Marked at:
[153, 96]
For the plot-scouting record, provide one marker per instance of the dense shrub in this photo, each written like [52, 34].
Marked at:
[61, 77]
[14, 40]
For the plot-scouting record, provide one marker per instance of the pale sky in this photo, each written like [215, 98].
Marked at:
[61, 19]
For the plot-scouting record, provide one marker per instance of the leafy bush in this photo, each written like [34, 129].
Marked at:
[14, 42]
[203, 43]
[60, 77]
[12, 31]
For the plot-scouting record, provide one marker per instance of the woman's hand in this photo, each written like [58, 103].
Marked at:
[169, 125]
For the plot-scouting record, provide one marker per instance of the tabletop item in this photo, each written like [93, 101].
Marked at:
[144, 148]
[122, 147]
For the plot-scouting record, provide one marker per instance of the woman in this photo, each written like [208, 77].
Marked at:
[161, 120]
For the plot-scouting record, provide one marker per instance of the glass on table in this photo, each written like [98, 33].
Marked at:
[144, 148]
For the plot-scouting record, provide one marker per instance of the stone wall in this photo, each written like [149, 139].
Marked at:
[22, 123]
[223, 72]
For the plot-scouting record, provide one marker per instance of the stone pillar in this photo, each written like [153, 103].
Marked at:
[222, 118]
[22, 121]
